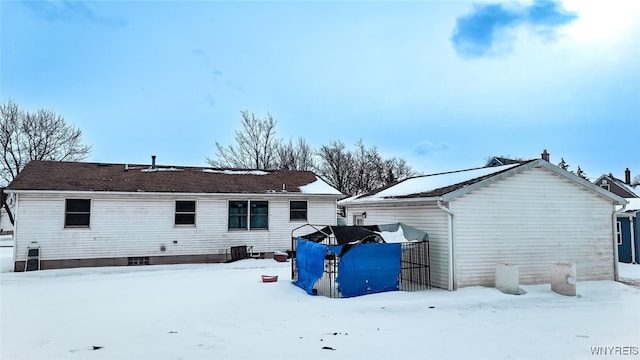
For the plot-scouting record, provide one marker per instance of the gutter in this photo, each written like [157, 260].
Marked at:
[450, 214]
[614, 217]
[391, 201]
[632, 238]
[16, 200]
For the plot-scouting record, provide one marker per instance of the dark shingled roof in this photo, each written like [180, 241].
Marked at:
[81, 176]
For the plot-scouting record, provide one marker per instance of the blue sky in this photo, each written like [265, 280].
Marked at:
[442, 84]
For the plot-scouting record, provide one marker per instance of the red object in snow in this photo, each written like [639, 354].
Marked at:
[280, 257]
[269, 278]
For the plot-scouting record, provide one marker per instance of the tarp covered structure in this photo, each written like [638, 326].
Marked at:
[369, 257]
[366, 233]
[365, 269]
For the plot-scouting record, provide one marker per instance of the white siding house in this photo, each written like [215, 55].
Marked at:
[85, 214]
[6, 227]
[5, 222]
[530, 214]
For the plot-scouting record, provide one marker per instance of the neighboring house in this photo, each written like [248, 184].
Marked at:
[499, 161]
[531, 215]
[93, 214]
[628, 232]
[617, 186]
[6, 227]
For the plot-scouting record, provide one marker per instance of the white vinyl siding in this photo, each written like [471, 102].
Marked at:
[136, 225]
[428, 218]
[532, 220]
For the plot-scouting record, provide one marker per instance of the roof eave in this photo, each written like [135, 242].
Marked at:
[176, 193]
[586, 183]
[392, 201]
[497, 177]
[528, 166]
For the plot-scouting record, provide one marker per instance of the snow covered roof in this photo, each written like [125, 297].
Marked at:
[633, 205]
[83, 176]
[449, 185]
[319, 186]
[432, 185]
[428, 185]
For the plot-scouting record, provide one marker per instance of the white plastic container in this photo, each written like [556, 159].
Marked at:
[508, 278]
[563, 278]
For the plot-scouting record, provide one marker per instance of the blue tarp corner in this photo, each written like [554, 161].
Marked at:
[309, 264]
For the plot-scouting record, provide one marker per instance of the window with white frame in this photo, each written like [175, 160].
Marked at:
[248, 215]
[619, 232]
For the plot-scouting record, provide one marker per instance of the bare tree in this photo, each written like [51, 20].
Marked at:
[40, 135]
[298, 156]
[336, 166]
[351, 172]
[13, 159]
[396, 169]
[636, 181]
[255, 148]
[369, 169]
[361, 171]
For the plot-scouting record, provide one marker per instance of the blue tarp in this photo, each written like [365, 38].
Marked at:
[309, 264]
[365, 269]
[368, 269]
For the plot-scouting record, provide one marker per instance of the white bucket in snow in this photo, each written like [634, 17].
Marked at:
[563, 278]
[508, 278]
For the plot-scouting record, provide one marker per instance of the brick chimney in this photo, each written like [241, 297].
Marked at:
[627, 176]
[545, 155]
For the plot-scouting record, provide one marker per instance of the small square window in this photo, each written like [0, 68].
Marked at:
[298, 210]
[134, 261]
[185, 213]
[77, 212]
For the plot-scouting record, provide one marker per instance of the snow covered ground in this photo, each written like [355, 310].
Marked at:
[224, 311]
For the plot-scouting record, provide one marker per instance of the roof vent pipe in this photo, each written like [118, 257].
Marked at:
[153, 161]
[627, 176]
[545, 155]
